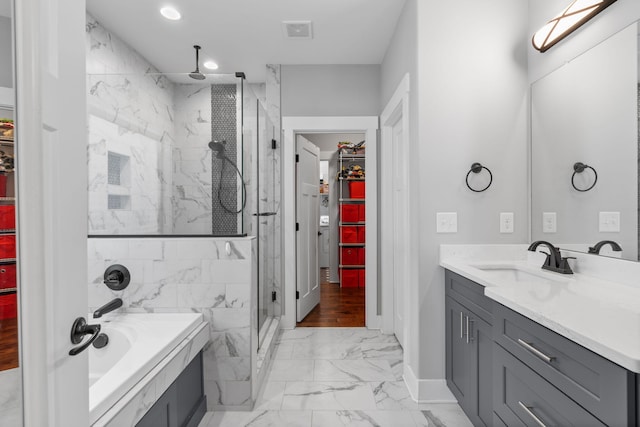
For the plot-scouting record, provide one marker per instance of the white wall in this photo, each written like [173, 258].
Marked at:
[330, 90]
[472, 103]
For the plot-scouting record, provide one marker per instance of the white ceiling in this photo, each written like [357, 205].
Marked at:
[244, 35]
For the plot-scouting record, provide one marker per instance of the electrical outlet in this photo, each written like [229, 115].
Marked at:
[446, 222]
[549, 224]
[506, 222]
[609, 222]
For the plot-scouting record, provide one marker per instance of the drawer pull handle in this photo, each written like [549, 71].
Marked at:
[535, 351]
[531, 414]
[461, 326]
[467, 329]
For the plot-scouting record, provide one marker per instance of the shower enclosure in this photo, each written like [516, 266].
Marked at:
[173, 156]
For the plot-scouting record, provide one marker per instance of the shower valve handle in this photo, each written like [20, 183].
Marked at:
[79, 329]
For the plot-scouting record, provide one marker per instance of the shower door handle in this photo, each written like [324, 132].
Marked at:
[265, 214]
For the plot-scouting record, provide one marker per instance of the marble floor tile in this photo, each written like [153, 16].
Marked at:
[363, 419]
[291, 370]
[283, 351]
[336, 335]
[397, 367]
[261, 419]
[270, 398]
[353, 370]
[446, 414]
[393, 395]
[337, 351]
[328, 395]
[204, 422]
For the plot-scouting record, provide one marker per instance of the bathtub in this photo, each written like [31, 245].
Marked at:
[137, 343]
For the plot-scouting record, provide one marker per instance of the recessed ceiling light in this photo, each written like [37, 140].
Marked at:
[211, 65]
[170, 13]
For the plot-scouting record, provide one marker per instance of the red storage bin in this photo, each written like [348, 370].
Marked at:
[349, 278]
[8, 306]
[361, 212]
[7, 217]
[349, 213]
[352, 256]
[356, 189]
[8, 246]
[361, 278]
[361, 234]
[7, 276]
[349, 234]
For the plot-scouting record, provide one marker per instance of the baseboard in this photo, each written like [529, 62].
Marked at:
[427, 391]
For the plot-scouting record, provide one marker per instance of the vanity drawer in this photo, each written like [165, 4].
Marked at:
[597, 384]
[469, 293]
[523, 398]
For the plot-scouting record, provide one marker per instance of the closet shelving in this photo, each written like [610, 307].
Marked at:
[8, 285]
[352, 222]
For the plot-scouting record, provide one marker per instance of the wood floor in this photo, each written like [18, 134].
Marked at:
[8, 343]
[339, 307]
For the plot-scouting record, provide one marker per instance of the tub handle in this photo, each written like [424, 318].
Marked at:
[79, 329]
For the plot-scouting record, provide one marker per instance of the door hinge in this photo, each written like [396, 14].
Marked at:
[297, 226]
[273, 144]
[297, 294]
[297, 158]
[273, 296]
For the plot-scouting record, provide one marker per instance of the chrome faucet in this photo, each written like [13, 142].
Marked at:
[595, 249]
[107, 308]
[554, 261]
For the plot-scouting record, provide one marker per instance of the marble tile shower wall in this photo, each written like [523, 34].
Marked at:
[192, 275]
[131, 113]
[192, 160]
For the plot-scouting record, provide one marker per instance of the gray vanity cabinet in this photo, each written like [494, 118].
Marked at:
[469, 348]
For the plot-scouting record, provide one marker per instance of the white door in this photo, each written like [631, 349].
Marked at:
[307, 218]
[51, 149]
[400, 235]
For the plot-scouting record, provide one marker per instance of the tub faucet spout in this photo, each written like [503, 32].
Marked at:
[107, 308]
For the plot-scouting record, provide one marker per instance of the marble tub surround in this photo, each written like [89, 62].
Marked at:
[358, 388]
[597, 307]
[173, 275]
[141, 397]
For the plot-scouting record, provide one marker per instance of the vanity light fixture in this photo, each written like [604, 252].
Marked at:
[170, 13]
[576, 14]
[210, 65]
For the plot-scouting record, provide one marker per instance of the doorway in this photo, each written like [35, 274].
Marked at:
[341, 301]
[292, 127]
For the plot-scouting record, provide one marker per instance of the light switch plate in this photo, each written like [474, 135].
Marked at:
[506, 222]
[446, 222]
[549, 223]
[609, 222]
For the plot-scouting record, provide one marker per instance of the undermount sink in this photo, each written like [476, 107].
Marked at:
[516, 274]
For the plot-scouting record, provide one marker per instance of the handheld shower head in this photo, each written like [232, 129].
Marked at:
[197, 75]
[218, 147]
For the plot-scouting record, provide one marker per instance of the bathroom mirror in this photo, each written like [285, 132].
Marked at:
[587, 112]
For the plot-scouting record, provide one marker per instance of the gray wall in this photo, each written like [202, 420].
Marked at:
[469, 103]
[330, 90]
[6, 65]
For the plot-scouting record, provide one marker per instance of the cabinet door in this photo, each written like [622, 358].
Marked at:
[480, 405]
[163, 413]
[457, 352]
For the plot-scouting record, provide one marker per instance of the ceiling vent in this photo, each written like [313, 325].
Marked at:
[297, 30]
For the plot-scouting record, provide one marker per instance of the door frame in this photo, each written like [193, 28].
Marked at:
[291, 126]
[396, 109]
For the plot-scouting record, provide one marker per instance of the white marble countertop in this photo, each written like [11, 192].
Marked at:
[601, 315]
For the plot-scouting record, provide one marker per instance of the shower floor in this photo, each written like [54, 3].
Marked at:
[339, 307]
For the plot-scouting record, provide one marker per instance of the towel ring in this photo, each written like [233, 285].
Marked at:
[477, 168]
[579, 167]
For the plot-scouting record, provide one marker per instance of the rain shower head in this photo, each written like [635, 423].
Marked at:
[197, 75]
